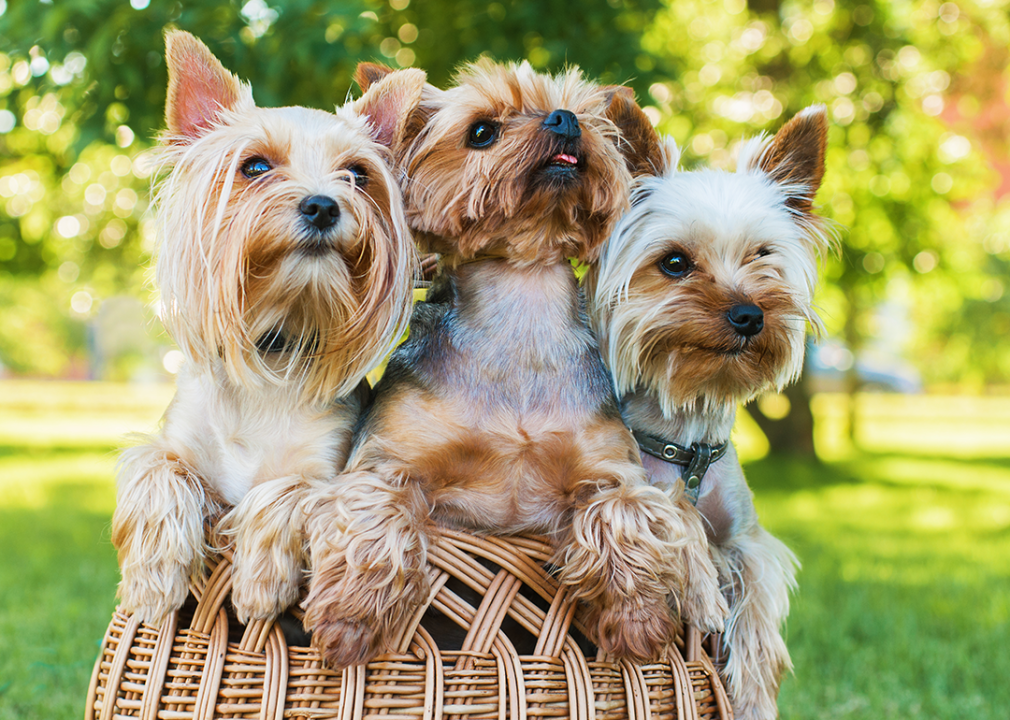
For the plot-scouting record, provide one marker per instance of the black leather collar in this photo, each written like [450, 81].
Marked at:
[696, 459]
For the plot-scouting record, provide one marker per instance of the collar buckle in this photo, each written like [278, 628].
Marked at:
[696, 460]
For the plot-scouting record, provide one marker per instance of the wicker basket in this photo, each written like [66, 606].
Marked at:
[203, 664]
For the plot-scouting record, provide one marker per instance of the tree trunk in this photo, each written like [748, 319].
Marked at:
[794, 433]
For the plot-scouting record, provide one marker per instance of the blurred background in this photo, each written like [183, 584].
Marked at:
[887, 469]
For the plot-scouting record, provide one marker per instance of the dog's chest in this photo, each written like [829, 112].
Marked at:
[237, 439]
[518, 344]
[717, 501]
[514, 401]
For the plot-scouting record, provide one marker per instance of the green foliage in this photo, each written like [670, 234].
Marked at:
[912, 89]
[601, 37]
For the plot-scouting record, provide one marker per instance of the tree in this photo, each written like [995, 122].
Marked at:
[82, 90]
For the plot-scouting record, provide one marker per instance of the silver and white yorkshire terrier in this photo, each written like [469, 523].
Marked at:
[701, 301]
[285, 268]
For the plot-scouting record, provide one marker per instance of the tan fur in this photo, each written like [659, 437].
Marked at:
[751, 238]
[253, 428]
[496, 415]
[486, 202]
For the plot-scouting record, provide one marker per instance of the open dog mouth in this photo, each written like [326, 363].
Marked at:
[563, 160]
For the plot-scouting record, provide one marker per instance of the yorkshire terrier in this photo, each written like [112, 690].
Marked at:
[285, 268]
[497, 415]
[701, 300]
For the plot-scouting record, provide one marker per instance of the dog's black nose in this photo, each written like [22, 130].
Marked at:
[320, 211]
[746, 319]
[564, 123]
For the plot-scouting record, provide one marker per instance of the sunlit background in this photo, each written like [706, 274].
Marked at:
[887, 469]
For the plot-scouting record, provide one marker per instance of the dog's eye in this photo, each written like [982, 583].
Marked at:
[676, 264]
[255, 166]
[764, 252]
[360, 175]
[482, 134]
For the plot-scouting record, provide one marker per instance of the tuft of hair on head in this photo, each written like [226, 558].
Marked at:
[389, 101]
[199, 89]
[639, 143]
[368, 73]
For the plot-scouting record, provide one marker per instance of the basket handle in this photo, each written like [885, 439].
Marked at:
[211, 598]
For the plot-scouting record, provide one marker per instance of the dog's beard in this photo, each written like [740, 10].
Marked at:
[319, 303]
[684, 352]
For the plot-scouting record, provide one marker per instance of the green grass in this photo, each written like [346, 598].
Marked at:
[904, 597]
[904, 602]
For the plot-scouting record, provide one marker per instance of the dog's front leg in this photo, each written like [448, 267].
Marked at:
[758, 572]
[268, 526]
[702, 603]
[158, 529]
[623, 558]
[368, 537]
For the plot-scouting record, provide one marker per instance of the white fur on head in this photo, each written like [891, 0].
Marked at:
[724, 219]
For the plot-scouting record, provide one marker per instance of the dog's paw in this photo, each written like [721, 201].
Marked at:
[640, 634]
[343, 643]
[263, 593]
[153, 596]
[705, 607]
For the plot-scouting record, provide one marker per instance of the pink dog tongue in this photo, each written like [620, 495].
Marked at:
[566, 159]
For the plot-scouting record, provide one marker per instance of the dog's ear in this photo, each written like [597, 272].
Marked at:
[199, 87]
[390, 103]
[795, 157]
[639, 142]
[367, 74]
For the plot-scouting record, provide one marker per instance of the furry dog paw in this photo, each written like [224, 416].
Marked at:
[262, 589]
[640, 634]
[362, 614]
[155, 594]
[706, 608]
[343, 643]
[349, 630]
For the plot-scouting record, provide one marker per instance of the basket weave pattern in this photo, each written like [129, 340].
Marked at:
[217, 668]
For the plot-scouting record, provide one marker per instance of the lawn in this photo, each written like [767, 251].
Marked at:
[904, 602]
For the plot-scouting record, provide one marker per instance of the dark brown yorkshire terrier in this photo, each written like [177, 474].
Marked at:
[497, 415]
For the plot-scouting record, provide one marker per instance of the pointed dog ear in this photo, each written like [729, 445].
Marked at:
[795, 157]
[389, 104]
[639, 142]
[367, 74]
[199, 88]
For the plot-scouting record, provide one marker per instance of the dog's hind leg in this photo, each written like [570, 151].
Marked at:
[368, 540]
[758, 572]
[158, 529]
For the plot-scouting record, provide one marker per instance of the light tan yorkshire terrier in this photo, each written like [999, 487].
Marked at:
[497, 415]
[285, 268]
[701, 300]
